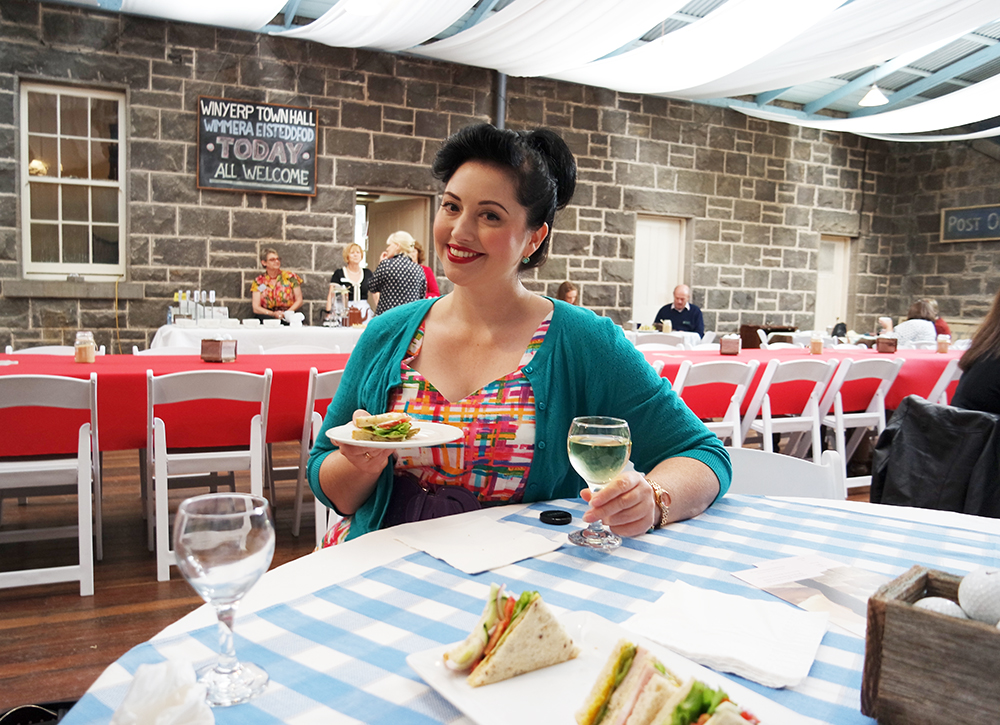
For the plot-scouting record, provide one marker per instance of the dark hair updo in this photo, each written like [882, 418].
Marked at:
[543, 167]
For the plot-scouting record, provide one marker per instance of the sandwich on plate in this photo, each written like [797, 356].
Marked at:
[514, 635]
[383, 427]
[635, 688]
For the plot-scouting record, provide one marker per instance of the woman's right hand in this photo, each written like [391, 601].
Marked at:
[368, 460]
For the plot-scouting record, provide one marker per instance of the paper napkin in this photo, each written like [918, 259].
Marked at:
[768, 642]
[166, 693]
[475, 544]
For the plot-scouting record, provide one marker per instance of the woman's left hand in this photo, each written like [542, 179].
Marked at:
[625, 505]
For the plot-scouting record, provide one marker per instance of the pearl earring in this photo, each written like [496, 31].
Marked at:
[525, 260]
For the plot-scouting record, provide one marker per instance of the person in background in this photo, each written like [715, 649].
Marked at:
[397, 278]
[275, 293]
[568, 292]
[418, 256]
[352, 275]
[979, 386]
[918, 327]
[939, 324]
[509, 367]
[683, 316]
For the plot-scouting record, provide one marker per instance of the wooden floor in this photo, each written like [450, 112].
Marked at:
[53, 642]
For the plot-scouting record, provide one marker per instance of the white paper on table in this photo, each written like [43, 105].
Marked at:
[476, 544]
[767, 642]
[789, 569]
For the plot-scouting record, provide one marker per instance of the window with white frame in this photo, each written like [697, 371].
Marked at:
[72, 188]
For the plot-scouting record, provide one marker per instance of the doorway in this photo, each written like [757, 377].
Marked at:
[659, 265]
[378, 215]
[832, 278]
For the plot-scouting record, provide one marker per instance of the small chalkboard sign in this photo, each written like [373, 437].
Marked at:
[970, 224]
[248, 146]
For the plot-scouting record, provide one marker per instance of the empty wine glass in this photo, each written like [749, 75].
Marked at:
[224, 543]
[598, 449]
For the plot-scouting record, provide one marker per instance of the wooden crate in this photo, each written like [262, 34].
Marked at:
[218, 350]
[922, 667]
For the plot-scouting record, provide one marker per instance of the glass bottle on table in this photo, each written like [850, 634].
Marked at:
[84, 350]
[598, 448]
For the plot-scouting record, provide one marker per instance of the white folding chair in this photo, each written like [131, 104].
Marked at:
[738, 374]
[55, 476]
[951, 373]
[168, 350]
[302, 350]
[658, 367]
[771, 474]
[321, 387]
[198, 468]
[708, 338]
[918, 345]
[885, 371]
[657, 347]
[47, 350]
[806, 420]
[674, 339]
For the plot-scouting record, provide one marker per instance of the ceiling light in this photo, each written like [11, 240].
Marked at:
[874, 97]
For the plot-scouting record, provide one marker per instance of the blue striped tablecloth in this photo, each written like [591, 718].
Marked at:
[338, 654]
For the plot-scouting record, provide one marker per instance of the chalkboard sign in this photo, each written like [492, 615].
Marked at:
[970, 224]
[246, 146]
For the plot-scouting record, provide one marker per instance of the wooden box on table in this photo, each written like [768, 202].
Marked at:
[922, 667]
[218, 350]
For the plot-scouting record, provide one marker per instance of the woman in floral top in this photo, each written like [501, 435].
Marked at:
[275, 293]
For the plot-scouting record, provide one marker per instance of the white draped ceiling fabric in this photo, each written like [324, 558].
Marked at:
[737, 33]
[401, 24]
[542, 37]
[242, 14]
[860, 34]
[968, 105]
[741, 48]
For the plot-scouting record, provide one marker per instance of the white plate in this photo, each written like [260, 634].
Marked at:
[431, 434]
[554, 694]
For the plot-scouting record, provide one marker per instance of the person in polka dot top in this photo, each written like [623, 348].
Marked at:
[397, 279]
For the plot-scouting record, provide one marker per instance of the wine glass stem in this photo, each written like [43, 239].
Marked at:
[597, 527]
[227, 648]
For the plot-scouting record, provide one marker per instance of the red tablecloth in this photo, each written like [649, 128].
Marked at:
[121, 402]
[919, 373]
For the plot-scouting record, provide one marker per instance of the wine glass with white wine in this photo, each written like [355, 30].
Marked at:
[598, 449]
[224, 542]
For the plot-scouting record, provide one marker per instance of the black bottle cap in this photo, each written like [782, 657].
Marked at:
[555, 516]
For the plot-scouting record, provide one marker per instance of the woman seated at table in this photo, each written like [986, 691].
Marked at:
[568, 293]
[918, 327]
[979, 386]
[509, 367]
[356, 278]
[276, 293]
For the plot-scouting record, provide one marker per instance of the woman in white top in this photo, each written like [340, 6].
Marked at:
[919, 325]
[353, 276]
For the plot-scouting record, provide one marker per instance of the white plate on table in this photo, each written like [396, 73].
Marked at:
[554, 694]
[431, 434]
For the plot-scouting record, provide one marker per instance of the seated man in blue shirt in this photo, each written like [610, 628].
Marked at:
[683, 316]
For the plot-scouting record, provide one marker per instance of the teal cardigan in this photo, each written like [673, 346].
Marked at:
[585, 366]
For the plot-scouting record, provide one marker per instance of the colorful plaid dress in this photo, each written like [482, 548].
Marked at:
[493, 457]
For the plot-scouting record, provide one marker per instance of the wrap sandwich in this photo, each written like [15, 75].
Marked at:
[634, 688]
[383, 427]
[514, 635]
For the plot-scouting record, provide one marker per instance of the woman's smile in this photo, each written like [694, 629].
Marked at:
[461, 255]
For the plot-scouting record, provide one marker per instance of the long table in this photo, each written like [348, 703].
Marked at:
[921, 370]
[333, 628]
[253, 339]
[121, 400]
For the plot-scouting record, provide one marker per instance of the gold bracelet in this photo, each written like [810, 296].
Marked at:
[658, 496]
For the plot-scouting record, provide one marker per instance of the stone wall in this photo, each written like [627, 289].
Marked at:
[962, 276]
[757, 195]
